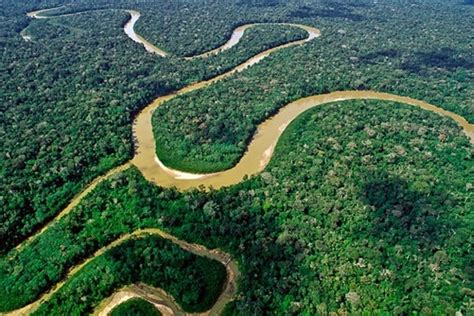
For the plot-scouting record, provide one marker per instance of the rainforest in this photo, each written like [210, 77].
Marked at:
[237, 157]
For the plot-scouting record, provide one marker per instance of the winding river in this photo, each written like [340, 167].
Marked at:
[165, 300]
[256, 158]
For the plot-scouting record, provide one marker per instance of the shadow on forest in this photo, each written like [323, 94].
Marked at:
[337, 10]
[260, 3]
[373, 57]
[420, 62]
[446, 58]
[401, 213]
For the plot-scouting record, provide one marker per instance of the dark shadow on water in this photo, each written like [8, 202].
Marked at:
[400, 213]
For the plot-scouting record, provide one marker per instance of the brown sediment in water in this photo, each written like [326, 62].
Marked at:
[129, 29]
[258, 155]
[231, 266]
[153, 295]
[226, 295]
[149, 164]
[260, 149]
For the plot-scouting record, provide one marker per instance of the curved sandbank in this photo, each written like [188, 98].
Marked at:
[238, 33]
[157, 297]
[37, 14]
[233, 40]
[228, 292]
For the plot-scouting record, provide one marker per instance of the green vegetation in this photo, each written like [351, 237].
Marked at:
[366, 207]
[69, 106]
[114, 209]
[89, 80]
[195, 30]
[135, 307]
[67, 114]
[355, 212]
[363, 208]
[195, 282]
[362, 50]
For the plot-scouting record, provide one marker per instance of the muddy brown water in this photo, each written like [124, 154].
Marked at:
[256, 158]
[260, 149]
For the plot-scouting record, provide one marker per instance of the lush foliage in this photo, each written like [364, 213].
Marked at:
[193, 31]
[68, 106]
[135, 307]
[361, 48]
[366, 206]
[195, 282]
[115, 208]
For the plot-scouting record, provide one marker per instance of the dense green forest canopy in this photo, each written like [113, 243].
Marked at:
[135, 307]
[69, 95]
[195, 282]
[394, 57]
[69, 106]
[365, 207]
